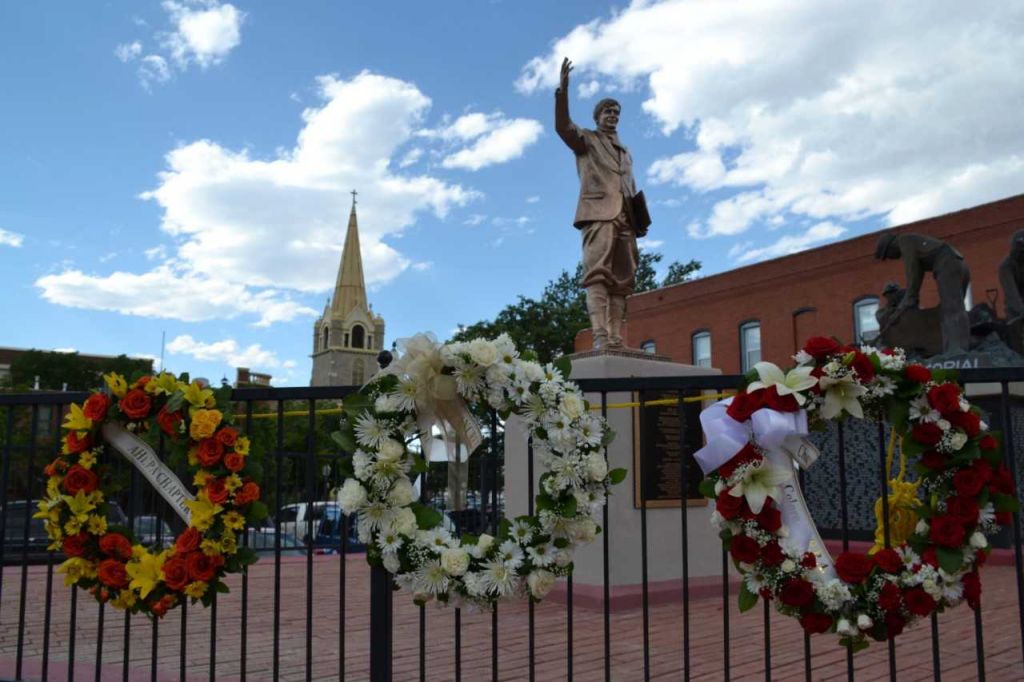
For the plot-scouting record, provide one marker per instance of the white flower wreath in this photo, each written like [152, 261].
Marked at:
[430, 384]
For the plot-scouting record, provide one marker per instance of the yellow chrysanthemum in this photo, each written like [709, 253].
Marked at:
[228, 544]
[53, 487]
[197, 396]
[73, 526]
[201, 479]
[234, 521]
[193, 460]
[196, 590]
[124, 600]
[145, 571]
[87, 459]
[203, 511]
[232, 482]
[118, 386]
[204, 423]
[242, 446]
[75, 419]
[210, 547]
[76, 568]
[97, 524]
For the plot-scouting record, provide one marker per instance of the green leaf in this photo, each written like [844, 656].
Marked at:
[504, 529]
[222, 587]
[707, 488]
[419, 465]
[748, 599]
[257, 512]
[858, 644]
[1005, 503]
[345, 440]
[426, 517]
[568, 507]
[246, 556]
[898, 412]
[561, 543]
[544, 502]
[617, 476]
[950, 559]
[354, 403]
[175, 402]
[564, 365]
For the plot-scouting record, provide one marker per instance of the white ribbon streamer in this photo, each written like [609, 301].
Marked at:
[163, 480]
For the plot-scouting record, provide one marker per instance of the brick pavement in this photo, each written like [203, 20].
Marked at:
[1003, 656]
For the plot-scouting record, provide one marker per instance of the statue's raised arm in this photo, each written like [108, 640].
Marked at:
[564, 126]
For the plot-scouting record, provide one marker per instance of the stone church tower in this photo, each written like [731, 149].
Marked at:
[348, 336]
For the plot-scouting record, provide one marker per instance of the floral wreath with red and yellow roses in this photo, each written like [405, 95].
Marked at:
[194, 422]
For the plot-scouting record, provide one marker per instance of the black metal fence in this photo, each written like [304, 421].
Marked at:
[300, 615]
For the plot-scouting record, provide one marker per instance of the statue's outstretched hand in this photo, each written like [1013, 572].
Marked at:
[563, 80]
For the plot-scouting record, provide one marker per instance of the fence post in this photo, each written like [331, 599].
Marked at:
[381, 589]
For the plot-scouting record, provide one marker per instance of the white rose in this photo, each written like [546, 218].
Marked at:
[845, 627]
[532, 371]
[572, 406]
[562, 558]
[391, 562]
[921, 528]
[958, 440]
[405, 522]
[586, 531]
[597, 466]
[455, 561]
[483, 352]
[484, 543]
[390, 451]
[978, 540]
[401, 493]
[386, 403]
[352, 496]
[540, 583]
[788, 566]
[360, 463]
[864, 622]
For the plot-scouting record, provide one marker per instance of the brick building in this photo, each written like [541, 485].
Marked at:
[735, 318]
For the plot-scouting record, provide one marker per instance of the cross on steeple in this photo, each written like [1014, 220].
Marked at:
[354, 193]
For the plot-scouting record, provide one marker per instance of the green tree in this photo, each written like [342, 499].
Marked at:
[548, 325]
[70, 371]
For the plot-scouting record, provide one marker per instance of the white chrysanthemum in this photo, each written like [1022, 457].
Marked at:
[436, 539]
[540, 583]
[522, 531]
[552, 374]
[541, 555]
[510, 552]
[431, 578]
[401, 493]
[376, 515]
[550, 391]
[352, 496]
[519, 391]
[455, 561]
[389, 541]
[474, 585]
[498, 376]
[370, 431]
[802, 357]
[953, 591]
[754, 581]
[921, 411]
[469, 380]
[498, 579]
[387, 402]
[405, 394]
[882, 386]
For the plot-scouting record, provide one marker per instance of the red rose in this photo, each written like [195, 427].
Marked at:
[797, 593]
[808, 560]
[934, 460]
[919, 373]
[854, 567]
[216, 491]
[76, 443]
[864, 367]
[250, 492]
[112, 573]
[969, 422]
[160, 606]
[930, 557]
[729, 506]
[815, 623]
[889, 597]
[136, 404]
[75, 545]
[918, 602]
[116, 545]
[963, 508]
[55, 467]
[968, 482]
[188, 541]
[234, 462]
[176, 575]
[945, 398]
[780, 403]
[209, 452]
[894, 623]
[227, 436]
[203, 567]
[983, 469]
[143, 380]
[95, 407]
[744, 456]
[80, 478]
[888, 560]
[169, 421]
[820, 347]
[927, 433]
[947, 531]
[770, 518]
[745, 404]
[972, 589]
[988, 443]
[771, 554]
[1002, 481]
[744, 549]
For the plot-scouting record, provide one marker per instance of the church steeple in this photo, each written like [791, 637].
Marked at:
[350, 289]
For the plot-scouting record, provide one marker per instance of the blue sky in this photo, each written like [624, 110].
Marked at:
[185, 167]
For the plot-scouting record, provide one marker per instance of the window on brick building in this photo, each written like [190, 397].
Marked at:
[649, 346]
[865, 326]
[750, 345]
[702, 349]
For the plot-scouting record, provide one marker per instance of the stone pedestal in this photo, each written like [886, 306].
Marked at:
[664, 525]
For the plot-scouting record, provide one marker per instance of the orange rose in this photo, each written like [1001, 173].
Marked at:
[76, 443]
[234, 462]
[209, 452]
[116, 545]
[80, 478]
[188, 541]
[168, 421]
[112, 573]
[176, 575]
[227, 436]
[160, 607]
[250, 492]
[95, 408]
[135, 404]
[203, 567]
[76, 545]
[216, 491]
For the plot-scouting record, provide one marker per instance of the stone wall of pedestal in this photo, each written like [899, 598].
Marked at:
[664, 525]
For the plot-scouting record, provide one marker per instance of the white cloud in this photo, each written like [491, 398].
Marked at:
[153, 69]
[532, 200]
[11, 238]
[250, 230]
[64, 350]
[127, 52]
[817, 234]
[411, 157]
[650, 244]
[494, 137]
[227, 351]
[423, 267]
[156, 253]
[205, 35]
[841, 110]
[475, 219]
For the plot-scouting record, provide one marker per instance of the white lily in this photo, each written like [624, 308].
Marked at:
[841, 394]
[759, 483]
[790, 383]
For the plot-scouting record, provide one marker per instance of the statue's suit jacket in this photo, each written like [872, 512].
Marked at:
[605, 170]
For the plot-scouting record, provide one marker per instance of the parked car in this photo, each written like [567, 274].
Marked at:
[295, 518]
[328, 537]
[16, 551]
[150, 530]
[262, 540]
